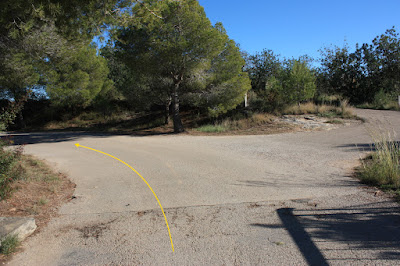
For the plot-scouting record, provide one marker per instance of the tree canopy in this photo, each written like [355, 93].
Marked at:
[179, 49]
[362, 74]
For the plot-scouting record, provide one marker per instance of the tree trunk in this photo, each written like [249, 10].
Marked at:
[178, 126]
[167, 104]
[21, 121]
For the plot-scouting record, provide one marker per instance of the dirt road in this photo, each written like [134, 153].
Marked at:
[283, 199]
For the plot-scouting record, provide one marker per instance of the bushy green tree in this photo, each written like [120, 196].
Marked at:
[294, 83]
[342, 73]
[369, 72]
[177, 47]
[261, 67]
[382, 62]
[35, 34]
[77, 79]
[222, 86]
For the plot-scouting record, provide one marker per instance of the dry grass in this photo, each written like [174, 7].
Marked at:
[382, 167]
[256, 120]
[343, 111]
[38, 192]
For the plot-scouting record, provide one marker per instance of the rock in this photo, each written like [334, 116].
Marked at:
[377, 193]
[19, 226]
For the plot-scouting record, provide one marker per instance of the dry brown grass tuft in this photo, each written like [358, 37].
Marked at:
[343, 111]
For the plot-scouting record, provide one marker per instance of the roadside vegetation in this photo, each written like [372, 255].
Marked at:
[9, 245]
[28, 187]
[344, 110]
[150, 75]
[237, 123]
[382, 101]
[382, 167]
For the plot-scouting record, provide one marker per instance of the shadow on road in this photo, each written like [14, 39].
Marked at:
[54, 137]
[292, 181]
[365, 147]
[324, 234]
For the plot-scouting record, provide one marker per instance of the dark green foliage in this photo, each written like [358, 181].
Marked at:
[293, 82]
[176, 51]
[77, 79]
[365, 74]
[38, 37]
[261, 67]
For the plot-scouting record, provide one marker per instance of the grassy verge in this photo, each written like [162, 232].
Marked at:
[29, 187]
[344, 110]
[393, 105]
[231, 124]
[382, 167]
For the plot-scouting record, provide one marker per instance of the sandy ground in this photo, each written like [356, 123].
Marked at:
[286, 199]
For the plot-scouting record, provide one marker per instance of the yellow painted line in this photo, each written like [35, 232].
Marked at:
[133, 169]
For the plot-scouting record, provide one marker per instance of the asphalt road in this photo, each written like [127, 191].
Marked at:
[285, 199]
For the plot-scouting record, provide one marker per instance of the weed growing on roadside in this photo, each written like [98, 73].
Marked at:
[231, 124]
[9, 245]
[382, 167]
[42, 201]
[343, 111]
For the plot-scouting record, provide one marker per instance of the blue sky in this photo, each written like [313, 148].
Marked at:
[293, 28]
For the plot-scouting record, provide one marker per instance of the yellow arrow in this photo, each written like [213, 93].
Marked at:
[133, 169]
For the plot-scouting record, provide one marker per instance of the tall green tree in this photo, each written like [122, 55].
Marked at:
[343, 73]
[176, 44]
[222, 86]
[261, 67]
[294, 83]
[382, 62]
[77, 79]
[362, 74]
[35, 33]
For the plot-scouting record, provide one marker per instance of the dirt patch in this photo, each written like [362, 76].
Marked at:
[313, 122]
[95, 230]
[253, 205]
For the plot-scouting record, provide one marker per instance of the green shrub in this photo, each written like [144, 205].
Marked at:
[382, 101]
[9, 244]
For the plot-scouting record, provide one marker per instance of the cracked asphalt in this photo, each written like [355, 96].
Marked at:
[286, 199]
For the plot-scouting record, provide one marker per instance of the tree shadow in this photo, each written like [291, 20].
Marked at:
[355, 228]
[364, 147]
[57, 136]
[361, 147]
[292, 182]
